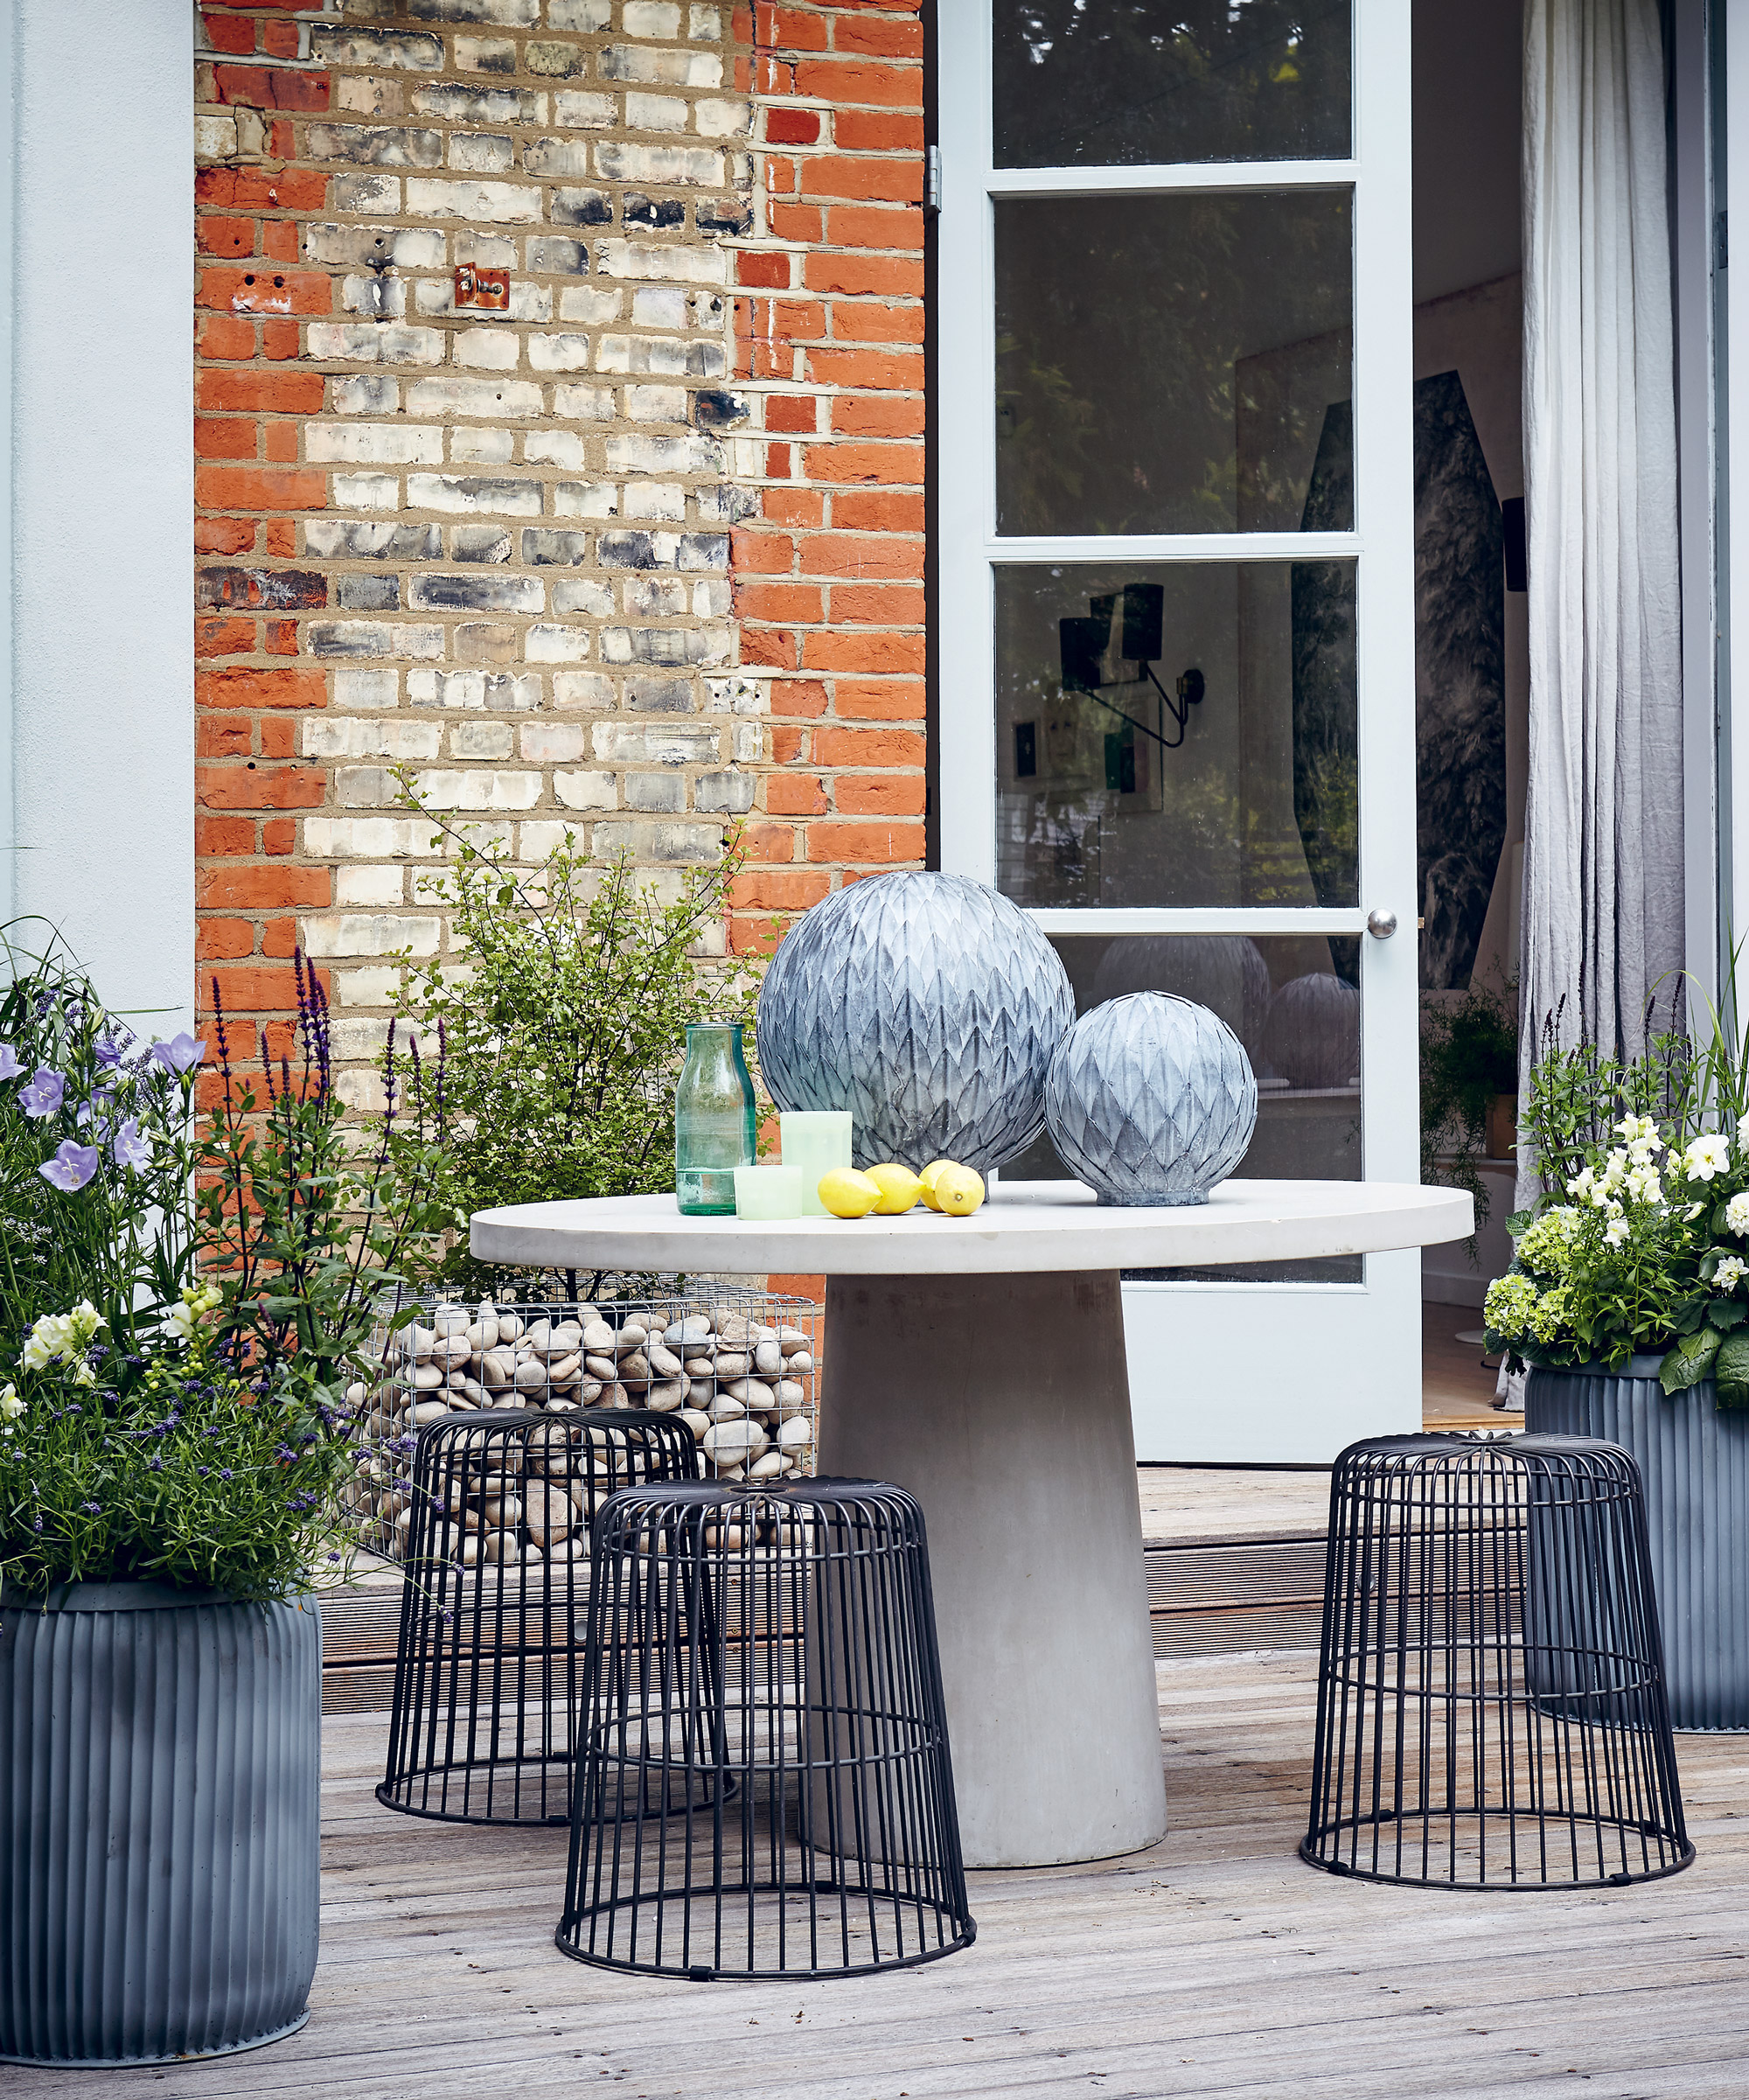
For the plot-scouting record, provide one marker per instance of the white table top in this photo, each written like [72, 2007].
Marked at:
[1025, 1226]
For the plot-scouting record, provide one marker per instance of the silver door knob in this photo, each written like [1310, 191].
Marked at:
[1381, 925]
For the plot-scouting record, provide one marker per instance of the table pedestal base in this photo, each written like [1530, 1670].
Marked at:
[1002, 1403]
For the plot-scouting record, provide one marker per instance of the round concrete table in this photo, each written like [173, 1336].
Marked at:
[979, 1362]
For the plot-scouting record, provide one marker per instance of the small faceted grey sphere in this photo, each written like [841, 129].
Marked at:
[926, 1005]
[1150, 1099]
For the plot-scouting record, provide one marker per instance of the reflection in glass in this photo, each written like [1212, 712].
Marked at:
[1295, 1001]
[1176, 734]
[1117, 83]
[1176, 364]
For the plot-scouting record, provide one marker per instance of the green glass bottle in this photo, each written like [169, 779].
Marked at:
[715, 1131]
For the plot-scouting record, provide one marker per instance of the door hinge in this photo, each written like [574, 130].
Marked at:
[931, 180]
[1721, 243]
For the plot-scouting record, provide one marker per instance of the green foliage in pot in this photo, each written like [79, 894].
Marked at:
[563, 1006]
[186, 1293]
[1637, 1242]
[1469, 1053]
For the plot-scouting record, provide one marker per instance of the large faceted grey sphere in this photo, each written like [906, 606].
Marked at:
[1150, 1099]
[926, 1005]
[1313, 1036]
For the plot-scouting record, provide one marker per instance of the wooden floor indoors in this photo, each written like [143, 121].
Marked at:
[1215, 1964]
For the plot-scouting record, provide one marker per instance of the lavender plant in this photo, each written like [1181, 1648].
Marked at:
[185, 1293]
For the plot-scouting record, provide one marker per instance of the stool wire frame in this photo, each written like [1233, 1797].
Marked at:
[763, 1784]
[489, 1666]
[1491, 1703]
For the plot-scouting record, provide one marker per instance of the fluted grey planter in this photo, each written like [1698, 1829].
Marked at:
[1695, 1464]
[159, 1817]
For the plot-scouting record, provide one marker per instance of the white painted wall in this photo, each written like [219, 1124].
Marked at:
[102, 726]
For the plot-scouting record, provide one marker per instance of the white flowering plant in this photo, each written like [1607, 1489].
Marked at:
[1639, 1243]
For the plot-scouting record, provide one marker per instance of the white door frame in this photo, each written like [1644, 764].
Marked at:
[1319, 1363]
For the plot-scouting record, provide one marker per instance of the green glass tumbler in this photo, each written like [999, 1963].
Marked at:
[715, 1131]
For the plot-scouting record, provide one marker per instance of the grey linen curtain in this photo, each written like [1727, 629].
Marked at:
[1603, 845]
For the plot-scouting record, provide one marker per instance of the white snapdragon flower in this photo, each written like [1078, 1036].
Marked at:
[1692, 1212]
[1637, 1130]
[1643, 1186]
[1736, 1216]
[1730, 1272]
[197, 1300]
[10, 1408]
[1584, 1181]
[1743, 1134]
[1706, 1156]
[1615, 1169]
[1616, 1230]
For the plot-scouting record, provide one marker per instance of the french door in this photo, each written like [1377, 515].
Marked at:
[1176, 571]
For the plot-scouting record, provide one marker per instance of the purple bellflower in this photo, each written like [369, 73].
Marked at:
[109, 1052]
[180, 1053]
[10, 1066]
[72, 1166]
[43, 1096]
[130, 1148]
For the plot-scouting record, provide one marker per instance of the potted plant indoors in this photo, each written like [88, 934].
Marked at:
[185, 1293]
[1627, 1299]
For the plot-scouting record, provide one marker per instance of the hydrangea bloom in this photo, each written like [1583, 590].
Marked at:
[72, 1166]
[1546, 1245]
[43, 1095]
[1509, 1305]
[1549, 1317]
[1706, 1156]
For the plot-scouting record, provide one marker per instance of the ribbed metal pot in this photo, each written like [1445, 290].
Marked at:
[1694, 1462]
[160, 1776]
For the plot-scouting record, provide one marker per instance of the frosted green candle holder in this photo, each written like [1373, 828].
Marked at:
[770, 1191]
[815, 1140]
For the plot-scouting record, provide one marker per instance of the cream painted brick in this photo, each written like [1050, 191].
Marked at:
[369, 95]
[357, 1041]
[655, 113]
[666, 68]
[385, 444]
[582, 689]
[719, 117]
[215, 137]
[554, 448]
[485, 349]
[383, 299]
[655, 500]
[672, 265]
[456, 104]
[655, 597]
[555, 157]
[559, 353]
[504, 692]
[355, 688]
[365, 192]
[586, 791]
[557, 60]
[363, 394]
[353, 246]
[479, 789]
[490, 397]
[481, 740]
[366, 492]
[704, 24]
[538, 839]
[638, 455]
[551, 742]
[619, 161]
[366, 987]
[659, 306]
[585, 499]
[713, 599]
[499, 203]
[737, 695]
[585, 595]
[376, 47]
[656, 841]
[749, 742]
[590, 302]
[673, 646]
[486, 54]
[355, 737]
[374, 638]
[368, 838]
[583, 404]
[475, 494]
[575, 111]
[360, 1089]
[338, 933]
[485, 251]
[656, 404]
[639, 744]
[547, 644]
[582, 18]
[502, 14]
[527, 302]
[373, 885]
[651, 18]
[481, 152]
[481, 447]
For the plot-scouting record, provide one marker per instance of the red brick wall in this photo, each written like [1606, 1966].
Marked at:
[829, 344]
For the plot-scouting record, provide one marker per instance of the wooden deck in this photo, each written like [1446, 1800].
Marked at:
[1214, 1964]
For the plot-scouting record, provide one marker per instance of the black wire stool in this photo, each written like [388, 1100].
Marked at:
[490, 1660]
[1491, 1703]
[763, 1786]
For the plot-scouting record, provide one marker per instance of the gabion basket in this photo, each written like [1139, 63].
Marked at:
[489, 1661]
[738, 1368]
[764, 1788]
[1491, 1702]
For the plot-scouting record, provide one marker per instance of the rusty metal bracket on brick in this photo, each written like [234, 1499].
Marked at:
[486, 288]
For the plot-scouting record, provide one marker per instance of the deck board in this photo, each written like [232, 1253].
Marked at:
[1215, 1965]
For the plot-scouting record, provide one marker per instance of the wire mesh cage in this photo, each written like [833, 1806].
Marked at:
[489, 1661]
[738, 1367]
[1491, 1703]
[763, 1786]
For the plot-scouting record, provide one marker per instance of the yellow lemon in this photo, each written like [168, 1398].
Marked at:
[927, 1178]
[958, 1191]
[848, 1194]
[899, 1189]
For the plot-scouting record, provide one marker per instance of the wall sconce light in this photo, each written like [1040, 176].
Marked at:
[1082, 644]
